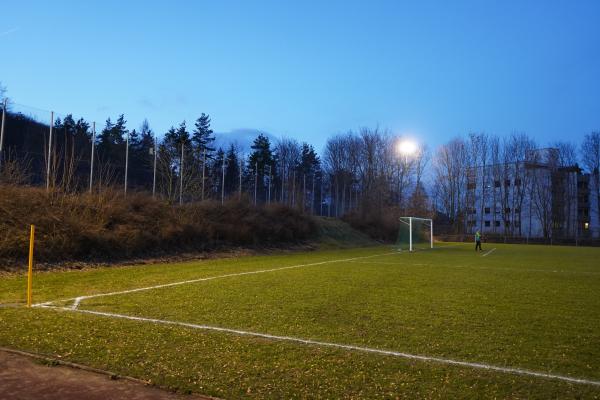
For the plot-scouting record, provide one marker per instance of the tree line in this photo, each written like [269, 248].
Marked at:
[182, 166]
[510, 174]
[358, 173]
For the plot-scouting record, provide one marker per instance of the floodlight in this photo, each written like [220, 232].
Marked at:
[407, 147]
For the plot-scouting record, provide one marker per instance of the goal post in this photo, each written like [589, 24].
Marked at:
[415, 234]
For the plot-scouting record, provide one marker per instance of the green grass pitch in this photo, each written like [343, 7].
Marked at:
[531, 308]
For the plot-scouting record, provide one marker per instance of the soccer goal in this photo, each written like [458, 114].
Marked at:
[415, 234]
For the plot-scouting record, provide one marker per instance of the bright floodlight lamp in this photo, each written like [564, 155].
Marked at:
[407, 147]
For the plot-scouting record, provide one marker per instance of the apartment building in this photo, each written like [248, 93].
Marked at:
[532, 198]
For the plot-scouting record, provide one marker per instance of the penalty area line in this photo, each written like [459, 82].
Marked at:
[439, 360]
[489, 252]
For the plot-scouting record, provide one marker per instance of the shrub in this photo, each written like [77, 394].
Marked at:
[109, 226]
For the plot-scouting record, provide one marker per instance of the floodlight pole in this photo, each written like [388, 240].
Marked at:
[92, 156]
[49, 151]
[2, 129]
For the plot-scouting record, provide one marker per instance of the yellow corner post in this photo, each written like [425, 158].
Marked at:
[30, 270]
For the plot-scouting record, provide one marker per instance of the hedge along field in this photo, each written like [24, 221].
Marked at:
[534, 308]
[108, 226]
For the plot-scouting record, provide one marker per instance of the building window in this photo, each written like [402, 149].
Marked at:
[487, 223]
[517, 182]
[497, 223]
[497, 184]
[471, 186]
[507, 210]
[487, 210]
[507, 223]
[586, 225]
[507, 182]
[517, 211]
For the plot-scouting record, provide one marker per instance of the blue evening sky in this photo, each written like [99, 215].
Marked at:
[309, 70]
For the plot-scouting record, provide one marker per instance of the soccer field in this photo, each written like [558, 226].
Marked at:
[512, 321]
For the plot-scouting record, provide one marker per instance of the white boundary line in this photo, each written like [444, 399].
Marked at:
[551, 271]
[387, 263]
[79, 299]
[447, 361]
[489, 252]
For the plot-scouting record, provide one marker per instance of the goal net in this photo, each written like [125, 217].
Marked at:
[415, 234]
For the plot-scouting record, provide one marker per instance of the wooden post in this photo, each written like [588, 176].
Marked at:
[30, 270]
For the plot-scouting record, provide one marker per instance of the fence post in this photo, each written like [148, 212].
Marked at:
[49, 151]
[330, 200]
[241, 168]
[312, 196]
[255, 180]
[203, 172]
[294, 188]
[2, 130]
[154, 168]
[321, 197]
[181, 176]
[223, 184]
[270, 179]
[92, 156]
[303, 192]
[30, 269]
[283, 176]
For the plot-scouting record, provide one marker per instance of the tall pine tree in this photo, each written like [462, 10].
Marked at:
[111, 146]
[258, 163]
[202, 136]
[232, 171]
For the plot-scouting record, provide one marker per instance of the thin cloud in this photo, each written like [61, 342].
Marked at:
[8, 32]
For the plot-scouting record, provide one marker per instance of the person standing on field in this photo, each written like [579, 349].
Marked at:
[478, 241]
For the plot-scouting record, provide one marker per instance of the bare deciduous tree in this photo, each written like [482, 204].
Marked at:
[590, 156]
[450, 179]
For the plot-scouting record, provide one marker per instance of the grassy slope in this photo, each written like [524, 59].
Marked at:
[335, 233]
[449, 303]
[108, 227]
